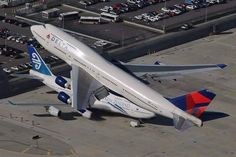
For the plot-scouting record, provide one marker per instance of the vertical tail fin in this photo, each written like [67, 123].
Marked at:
[38, 63]
[194, 103]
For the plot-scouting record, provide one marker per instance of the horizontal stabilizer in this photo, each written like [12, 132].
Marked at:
[194, 103]
[27, 76]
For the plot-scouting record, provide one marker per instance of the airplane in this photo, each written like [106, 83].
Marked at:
[90, 71]
[112, 102]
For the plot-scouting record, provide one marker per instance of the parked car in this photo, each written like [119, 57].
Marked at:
[186, 26]
[7, 70]
[15, 68]
[10, 37]
[106, 9]
[29, 64]
[192, 7]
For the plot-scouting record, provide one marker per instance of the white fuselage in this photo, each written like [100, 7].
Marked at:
[74, 52]
[112, 102]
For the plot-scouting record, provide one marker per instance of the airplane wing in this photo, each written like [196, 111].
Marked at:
[164, 71]
[83, 85]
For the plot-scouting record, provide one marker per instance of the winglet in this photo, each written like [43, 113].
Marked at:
[37, 62]
[222, 66]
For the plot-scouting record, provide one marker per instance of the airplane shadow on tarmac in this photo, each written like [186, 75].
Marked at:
[206, 116]
[99, 115]
[64, 115]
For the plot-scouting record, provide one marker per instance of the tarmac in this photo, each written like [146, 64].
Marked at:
[109, 135]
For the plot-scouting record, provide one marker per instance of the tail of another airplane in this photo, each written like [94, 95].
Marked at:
[37, 62]
[194, 103]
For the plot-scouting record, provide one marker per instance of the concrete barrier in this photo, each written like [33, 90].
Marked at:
[4, 86]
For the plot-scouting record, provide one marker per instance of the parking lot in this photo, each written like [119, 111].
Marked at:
[193, 15]
[119, 33]
[13, 48]
[104, 35]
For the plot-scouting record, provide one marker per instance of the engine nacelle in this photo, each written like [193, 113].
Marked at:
[64, 97]
[53, 111]
[62, 82]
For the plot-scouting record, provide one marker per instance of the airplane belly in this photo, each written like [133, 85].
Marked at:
[118, 104]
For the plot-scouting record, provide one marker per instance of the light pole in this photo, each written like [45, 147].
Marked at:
[5, 40]
[63, 22]
[164, 21]
[206, 12]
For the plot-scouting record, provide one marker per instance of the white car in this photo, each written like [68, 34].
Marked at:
[106, 9]
[15, 68]
[176, 11]
[165, 9]
[191, 7]
[138, 17]
[7, 70]
[100, 43]
[154, 18]
[18, 39]
[10, 37]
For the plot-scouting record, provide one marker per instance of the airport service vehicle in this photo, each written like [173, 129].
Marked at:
[186, 26]
[110, 17]
[69, 16]
[89, 20]
[90, 70]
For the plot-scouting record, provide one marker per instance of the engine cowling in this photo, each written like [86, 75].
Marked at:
[62, 82]
[64, 97]
[54, 111]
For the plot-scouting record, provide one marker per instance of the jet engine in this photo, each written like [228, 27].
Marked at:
[64, 97]
[53, 111]
[62, 82]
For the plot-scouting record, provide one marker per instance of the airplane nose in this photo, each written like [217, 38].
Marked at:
[39, 31]
[35, 28]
